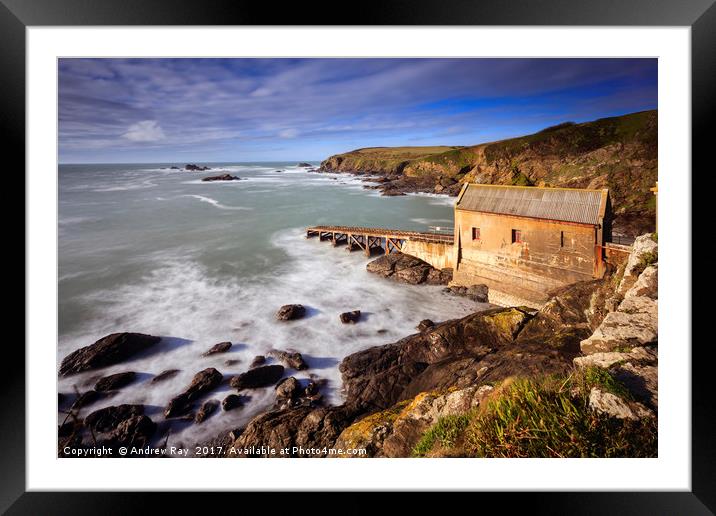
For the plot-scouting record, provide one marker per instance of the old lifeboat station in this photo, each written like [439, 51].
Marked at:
[521, 241]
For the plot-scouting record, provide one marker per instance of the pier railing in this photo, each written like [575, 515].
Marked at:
[372, 239]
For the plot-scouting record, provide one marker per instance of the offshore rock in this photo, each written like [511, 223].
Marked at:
[107, 351]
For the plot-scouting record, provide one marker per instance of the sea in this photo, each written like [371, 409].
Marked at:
[145, 248]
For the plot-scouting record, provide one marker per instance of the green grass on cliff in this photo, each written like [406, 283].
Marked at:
[444, 433]
[545, 417]
[571, 139]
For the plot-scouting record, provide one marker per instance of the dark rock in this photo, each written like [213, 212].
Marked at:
[439, 276]
[107, 351]
[68, 428]
[207, 409]
[231, 402]
[299, 427]
[135, 431]
[258, 377]
[232, 362]
[478, 293]
[425, 324]
[305, 165]
[288, 388]
[84, 399]
[108, 418]
[290, 312]
[195, 168]
[257, 361]
[61, 398]
[311, 389]
[221, 347]
[174, 168]
[115, 381]
[378, 377]
[350, 317]
[165, 375]
[408, 269]
[289, 358]
[222, 177]
[203, 382]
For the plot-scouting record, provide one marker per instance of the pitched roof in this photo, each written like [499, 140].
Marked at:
[562, 204]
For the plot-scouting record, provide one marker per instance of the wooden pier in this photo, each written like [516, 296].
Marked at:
[372, 240]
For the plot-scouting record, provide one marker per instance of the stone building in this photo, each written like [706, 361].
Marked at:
[525, 241]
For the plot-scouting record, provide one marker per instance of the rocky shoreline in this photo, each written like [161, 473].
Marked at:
[599, 338]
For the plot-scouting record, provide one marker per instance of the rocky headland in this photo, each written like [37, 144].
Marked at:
[619, 153]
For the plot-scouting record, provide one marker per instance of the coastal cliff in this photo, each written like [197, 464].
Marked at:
[619, 153]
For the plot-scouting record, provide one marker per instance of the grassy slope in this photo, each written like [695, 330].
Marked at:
[619, 153]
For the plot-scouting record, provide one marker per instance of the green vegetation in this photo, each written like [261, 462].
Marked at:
[646, 259]
[571, 139]
[445, 433]
[545, 417]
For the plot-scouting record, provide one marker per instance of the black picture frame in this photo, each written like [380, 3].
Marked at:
[17, 15]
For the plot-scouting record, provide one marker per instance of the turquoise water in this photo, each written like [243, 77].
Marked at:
[146, 249]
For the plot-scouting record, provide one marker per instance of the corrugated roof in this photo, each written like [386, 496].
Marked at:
[563, 204]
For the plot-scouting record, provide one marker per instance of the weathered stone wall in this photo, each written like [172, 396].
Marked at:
[550, 255]
[438, 255]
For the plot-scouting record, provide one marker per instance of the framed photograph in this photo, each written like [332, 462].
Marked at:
[430, 240]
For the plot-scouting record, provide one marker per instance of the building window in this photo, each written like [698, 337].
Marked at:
[566, 240]
[516, 236]
[476, 233]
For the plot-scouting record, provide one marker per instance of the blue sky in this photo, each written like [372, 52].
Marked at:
[204, 110]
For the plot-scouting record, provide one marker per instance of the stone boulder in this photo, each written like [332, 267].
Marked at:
[614, 406]
[425, 325]
[115, 381]
[408, 269]
[290, 312]
[203, 382]
[644, 253]
[221, 347]
[165, 375]
[86, 398]
[195, 168]
[302, 427]
[231, 402]
[288, 388]
[350, 317]
[207, 409]
[635, 323]
[257, 361]
[304, 165]
[222, 177]
[262, 376]
[289, 358]
[395, 432]
[439, 276]
[107, 351]
[477, 293]
[647, 285]
[108, 418]
[135, 431]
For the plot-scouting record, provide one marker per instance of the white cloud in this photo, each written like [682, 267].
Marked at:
[288, 133]
[144, 131]
[262, 92]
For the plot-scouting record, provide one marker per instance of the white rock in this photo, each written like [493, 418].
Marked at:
[647, 285]
[612, 405]
[642, 245]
